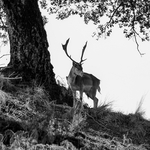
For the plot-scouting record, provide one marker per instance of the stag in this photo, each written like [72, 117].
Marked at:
[80, 81]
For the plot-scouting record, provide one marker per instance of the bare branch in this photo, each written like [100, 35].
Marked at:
[137, 44]
[4, 55]
[135, 32]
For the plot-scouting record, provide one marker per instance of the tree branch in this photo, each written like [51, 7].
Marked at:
[113, 14]
[4, 55]
[135, 32]
[137, 44]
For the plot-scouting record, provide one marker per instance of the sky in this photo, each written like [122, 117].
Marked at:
[124, 74]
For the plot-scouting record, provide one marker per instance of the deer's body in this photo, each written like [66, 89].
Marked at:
[81, 81]
[87, 84]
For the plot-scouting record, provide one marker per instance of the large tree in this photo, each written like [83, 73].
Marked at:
[29, 56]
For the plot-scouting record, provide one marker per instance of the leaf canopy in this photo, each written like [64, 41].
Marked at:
[131, 15]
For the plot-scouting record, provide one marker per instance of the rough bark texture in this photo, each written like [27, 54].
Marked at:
[28, 44]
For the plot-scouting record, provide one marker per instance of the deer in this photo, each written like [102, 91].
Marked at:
[83, 82]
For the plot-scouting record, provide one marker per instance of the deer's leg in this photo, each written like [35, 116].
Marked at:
[81, 97]
[92, 95]
[74, 98]
[95, 102]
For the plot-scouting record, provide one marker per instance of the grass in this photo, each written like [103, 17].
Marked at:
[29, 121]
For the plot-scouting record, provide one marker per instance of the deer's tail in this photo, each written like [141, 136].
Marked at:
[99, 89]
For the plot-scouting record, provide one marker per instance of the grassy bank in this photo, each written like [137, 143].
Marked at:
[30, 121]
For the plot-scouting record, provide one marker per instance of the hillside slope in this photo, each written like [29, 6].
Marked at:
[29, 121]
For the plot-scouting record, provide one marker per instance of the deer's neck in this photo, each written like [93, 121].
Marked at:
[72, 76]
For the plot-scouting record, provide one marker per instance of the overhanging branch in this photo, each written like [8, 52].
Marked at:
[4, 55]
[137, 44]
[113, 14]
[134, 30]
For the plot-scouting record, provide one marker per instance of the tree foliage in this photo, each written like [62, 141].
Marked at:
[131, 15]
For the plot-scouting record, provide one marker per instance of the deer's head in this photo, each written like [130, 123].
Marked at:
[76, 67]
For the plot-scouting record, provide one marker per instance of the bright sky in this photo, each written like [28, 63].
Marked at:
[124, 74]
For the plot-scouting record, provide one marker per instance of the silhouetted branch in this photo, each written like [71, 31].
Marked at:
[135, 32]
[137, 44]
[113, 14]
[4, 55]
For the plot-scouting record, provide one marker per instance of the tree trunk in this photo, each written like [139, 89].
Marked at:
[29, 56]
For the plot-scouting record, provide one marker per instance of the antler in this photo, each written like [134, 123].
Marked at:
[65, 49]
[64, 46]
[83, 53]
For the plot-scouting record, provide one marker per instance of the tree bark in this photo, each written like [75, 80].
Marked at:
[29, 56]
